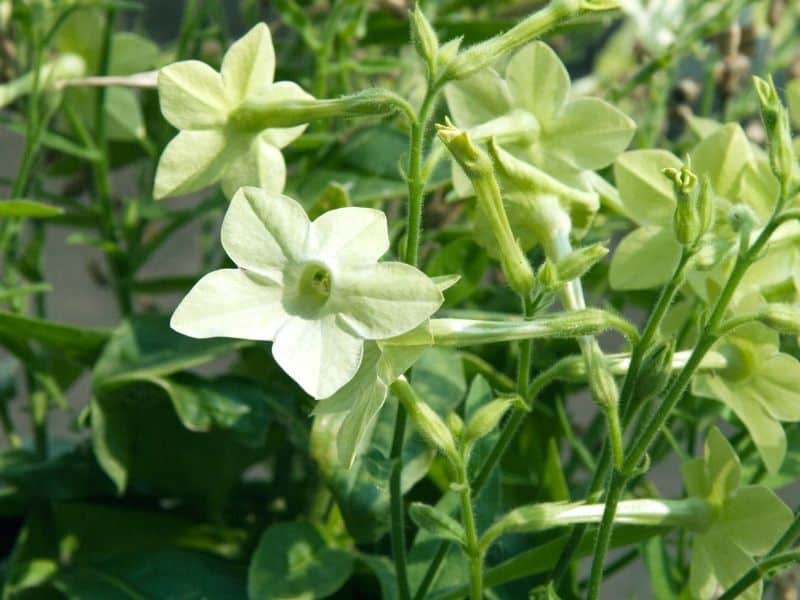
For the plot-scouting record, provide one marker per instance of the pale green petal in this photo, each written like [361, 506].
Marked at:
[759, 188]
[722, 156]
[694, 477]
[702, 580]
[644, 259]
[262, 231]
[248, 67]
[729, 563]
[477, 99]
[384, 300]
[261, 165]
[793, 100]
[192, 96]
[766, 433]
[722, 466]
[285, 90]
[318, 354]
[777, 386]
[191, 161]
[538, 81]
[755, 518]
[590, 133]
[230, 303]
[644, 190]
[352, 235]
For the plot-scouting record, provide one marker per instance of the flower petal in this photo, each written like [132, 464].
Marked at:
[384, 300]
[722, 156]
[318, 354]
[590, 133]
[775, 386]
[262, 231]
[230, 303]
[261, 165]
[477, 99]
[192, 96]
[755, 518]
[248, 67]
[191, 161]
[702, 579]
[538, 81]
[285, 90]
[729, 563]
[352, 235]
[643, 189]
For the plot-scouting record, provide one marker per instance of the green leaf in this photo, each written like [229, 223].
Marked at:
[28, 208]
[644, 259]
[438, 378]
[145, 347]
[644, 190]
[460, 256]
[81, 344]
[437, 523]
[124, 115]
[293, 561]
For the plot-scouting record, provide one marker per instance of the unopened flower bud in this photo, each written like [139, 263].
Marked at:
[782, 158]
[686, 220]
[742, 220]
[486, 419]
[604, 387]
[428, 423]
[425, 40]
[478, 167]
[455, 423]
[578, 262]
[655, 371]
[548, 276]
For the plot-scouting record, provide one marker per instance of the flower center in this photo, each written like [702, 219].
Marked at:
[309, 288]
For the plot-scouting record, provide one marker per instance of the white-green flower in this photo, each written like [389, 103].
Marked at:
[748, 521]
[315, 289]
[211, 146]
[530, 114]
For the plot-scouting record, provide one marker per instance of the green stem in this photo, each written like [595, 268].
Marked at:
[474, 552]
[416, 183]
[398, 536]
[760, 570]
[114, 257]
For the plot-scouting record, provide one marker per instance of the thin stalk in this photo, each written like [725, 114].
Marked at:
[398, 535]
[760, 570]
[114, 258]
[416, 189]
[474, 552]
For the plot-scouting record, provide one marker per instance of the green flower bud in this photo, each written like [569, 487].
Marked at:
[578, 262]
[742, 220]
[486, 419]
[428, 423]
[447, 52]
[782, 158]
[455, 423]
[604, 387]
[784, 318]
[548, 276]
[686, 220]
[478, 167]
[486, 53]
[655, 371]
[425, 40]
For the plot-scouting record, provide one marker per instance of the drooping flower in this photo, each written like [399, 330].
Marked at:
[530, 114]
[748, 520]
[212, 144]
[315, 288]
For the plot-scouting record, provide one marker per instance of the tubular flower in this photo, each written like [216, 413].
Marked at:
[213, 144]
[314, 288]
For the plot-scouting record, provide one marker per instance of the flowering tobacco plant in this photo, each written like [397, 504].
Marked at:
[455, 322]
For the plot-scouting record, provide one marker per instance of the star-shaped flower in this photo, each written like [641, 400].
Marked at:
[211, 145]
[759, 385]
[530, 114]
[748, 520]
[316, 289]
